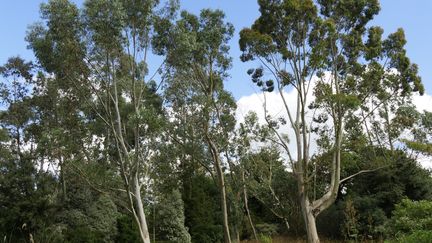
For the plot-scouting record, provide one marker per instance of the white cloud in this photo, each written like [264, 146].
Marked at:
[423, 103]
[425, 161]
[275, 108]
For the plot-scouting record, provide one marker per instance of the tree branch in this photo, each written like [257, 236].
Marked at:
[358, 173]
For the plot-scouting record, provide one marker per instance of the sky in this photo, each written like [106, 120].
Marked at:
[413, 15]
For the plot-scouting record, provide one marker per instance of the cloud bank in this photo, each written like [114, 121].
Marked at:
[275, 108]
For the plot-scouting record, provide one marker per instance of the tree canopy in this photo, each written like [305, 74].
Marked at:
[99, 144]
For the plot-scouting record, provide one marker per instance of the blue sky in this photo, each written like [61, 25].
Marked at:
[413, 15]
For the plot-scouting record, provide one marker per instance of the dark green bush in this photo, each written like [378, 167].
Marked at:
[207, 233]
[127, 230]
[267, 229]
[84, 234]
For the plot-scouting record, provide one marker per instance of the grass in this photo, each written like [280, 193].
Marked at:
[284, 239]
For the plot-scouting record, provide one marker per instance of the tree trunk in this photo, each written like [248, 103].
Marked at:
[309, 220]
[62, 179]
[221, 181]
[237, 235]
[247, 207]
[145, 236]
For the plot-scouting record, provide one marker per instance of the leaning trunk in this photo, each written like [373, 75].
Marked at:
[144, 233]
[221, 183]
[247, 207]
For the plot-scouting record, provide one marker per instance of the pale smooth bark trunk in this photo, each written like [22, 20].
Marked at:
[237, 233]
[144, 233]
[310, 222]
[221, 182]
[62, 179]
[135, 200]
[308, 211]
[247, 207]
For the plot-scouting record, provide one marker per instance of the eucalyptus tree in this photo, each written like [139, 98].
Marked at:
[267, 180]
[262, 169]
[328, 47]
[197, 63]
[16, 114]
[22, 195]
[420, 125]
[98, 58]
[60, 54]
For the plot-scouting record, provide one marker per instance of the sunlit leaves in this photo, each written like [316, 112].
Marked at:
[374, 43]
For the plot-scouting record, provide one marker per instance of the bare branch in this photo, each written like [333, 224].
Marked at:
[360, 172]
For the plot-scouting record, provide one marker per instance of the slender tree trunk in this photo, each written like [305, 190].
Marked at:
[221, 182]
[62, 179]
[135, 201]
[145, 236]
[245, 198]
[237, 235]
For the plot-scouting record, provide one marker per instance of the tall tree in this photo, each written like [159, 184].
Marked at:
[99, 59]
[25, 191]
[298, 42]
[420, 126]
[197, 63]
[56, 100]
[14, 97]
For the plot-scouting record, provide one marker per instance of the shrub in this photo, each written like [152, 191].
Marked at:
[264, 238]
[410, 216]
[419, 236]
[127, 230]
[266, 229]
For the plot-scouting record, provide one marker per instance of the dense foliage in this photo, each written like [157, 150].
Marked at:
[97, 145]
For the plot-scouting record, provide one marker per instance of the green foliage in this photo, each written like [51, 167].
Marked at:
[94, 118]
[267, 229]
[418, 236]
[102, 217]
[264, 238]
[197, 62]
[268, 181]
[127, 230]
[26, 199]
[420, 125]
[51, 234]
[351, 217]
[410, 216]
[91, 218]
[336, 214]
[202, 211]
[170, 218]
[297, 41]
[373, 194]
[422, 147]
[83, 234]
